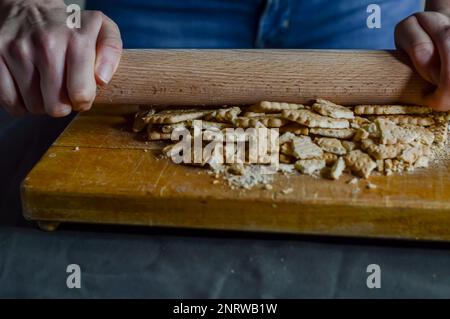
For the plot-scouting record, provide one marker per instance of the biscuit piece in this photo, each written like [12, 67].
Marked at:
[349, 145]
[311, 119]
[406, 119]
[175, 116]
[372, 129]
[207, 125]
[422, 162]
[391, 133]
[287, 148]
[412, 153]
[330, 109]
[390, 109]
[286, 168]
[367, 130]
[329, 158]
[397, 166]
[225, 115]
[274, 107]
[381, 151]
[140, 120]
[286, 159]
[345, 133]
[169, 128]
[286, 137]
[361, 135]
[295, 128]
[357, 121]
[236, 169]
[304, 148]
[360, 163]
[440, 131]
[156, 135]
[331, 145]
[270, 121]
[253, 114]
[380, 166]
[309, 166]
[210, 135]
[337, 169]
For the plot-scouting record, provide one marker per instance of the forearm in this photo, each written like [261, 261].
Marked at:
[438, 5]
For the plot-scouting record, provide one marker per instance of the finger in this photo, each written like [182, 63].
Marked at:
[412, 38]
[50, 61]
[109, 51]
[438, 27]
[19, 61]
[10, 99]
[80, 64]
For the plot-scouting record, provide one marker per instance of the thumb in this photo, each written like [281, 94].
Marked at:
[109, 51]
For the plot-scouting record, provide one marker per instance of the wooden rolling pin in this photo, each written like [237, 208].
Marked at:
[218, 77]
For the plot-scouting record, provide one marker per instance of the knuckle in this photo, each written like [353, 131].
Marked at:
[114, 44]
[408, 20]
[44, 39]
[19, 49]
[422, 50]
[47, 45]
[80, 42]
[444, 34]
[96, 15]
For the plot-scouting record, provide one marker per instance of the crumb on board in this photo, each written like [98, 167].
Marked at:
[371, 186]
[287, 191]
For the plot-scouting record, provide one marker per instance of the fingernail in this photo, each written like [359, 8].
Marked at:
[105, 72]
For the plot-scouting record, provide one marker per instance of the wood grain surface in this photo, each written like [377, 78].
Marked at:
[216, 77]
[100, 172]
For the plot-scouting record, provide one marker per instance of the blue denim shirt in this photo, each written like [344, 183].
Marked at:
[320, 24]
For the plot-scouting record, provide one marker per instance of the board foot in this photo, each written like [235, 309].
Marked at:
[48, 226]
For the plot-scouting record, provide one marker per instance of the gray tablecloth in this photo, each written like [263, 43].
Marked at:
[141, 262]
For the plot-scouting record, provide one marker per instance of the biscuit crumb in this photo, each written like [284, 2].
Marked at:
[287, 191]
[371, 186]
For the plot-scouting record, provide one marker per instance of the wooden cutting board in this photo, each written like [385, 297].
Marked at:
[98, 171]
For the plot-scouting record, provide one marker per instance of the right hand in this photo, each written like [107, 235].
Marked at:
[46, 67]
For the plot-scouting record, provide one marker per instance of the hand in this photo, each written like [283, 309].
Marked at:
[425, 36]
[46, 67]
